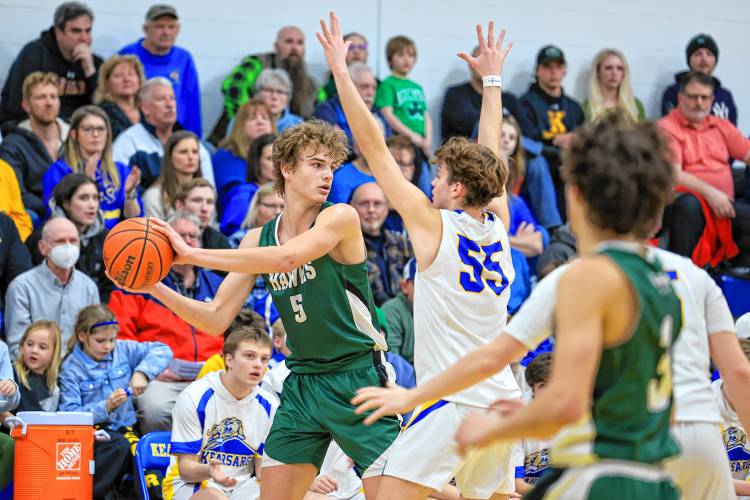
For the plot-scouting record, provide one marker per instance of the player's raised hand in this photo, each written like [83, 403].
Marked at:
[385, 401]
[219, 476]
[492, 54]
[182, 251]
[334, 46]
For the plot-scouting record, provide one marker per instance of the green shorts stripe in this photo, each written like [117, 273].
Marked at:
[315, 408]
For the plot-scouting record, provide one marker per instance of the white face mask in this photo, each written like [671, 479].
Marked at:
[65, 255]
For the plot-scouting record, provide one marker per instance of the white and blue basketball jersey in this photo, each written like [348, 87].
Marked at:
[461, 303]
[209, 422]
[733, 435]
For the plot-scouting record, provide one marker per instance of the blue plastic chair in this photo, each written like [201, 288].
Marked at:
[151, 452]
[737, 292]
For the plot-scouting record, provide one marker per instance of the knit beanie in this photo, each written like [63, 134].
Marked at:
[702, 41]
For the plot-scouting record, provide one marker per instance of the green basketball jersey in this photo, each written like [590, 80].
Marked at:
[327, 311]
[632, 400]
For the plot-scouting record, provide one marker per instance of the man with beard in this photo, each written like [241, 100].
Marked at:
[65, 50]
[289, 55]
[32, 146]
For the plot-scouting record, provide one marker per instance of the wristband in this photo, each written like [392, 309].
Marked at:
[492, 81]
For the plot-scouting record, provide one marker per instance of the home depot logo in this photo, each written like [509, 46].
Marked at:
[68, 456]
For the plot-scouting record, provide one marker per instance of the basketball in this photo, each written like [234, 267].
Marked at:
[137, 254]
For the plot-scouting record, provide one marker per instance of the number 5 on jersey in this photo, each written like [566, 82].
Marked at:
[299, 311]
[479, 259]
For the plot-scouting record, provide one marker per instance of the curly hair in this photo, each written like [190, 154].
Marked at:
[622, 173]
[314, 136]
[538, 369]
[476, 167]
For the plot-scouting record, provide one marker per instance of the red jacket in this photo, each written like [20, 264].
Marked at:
[144, 319]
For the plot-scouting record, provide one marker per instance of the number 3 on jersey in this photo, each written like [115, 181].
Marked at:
[299, 311]
[479, 258]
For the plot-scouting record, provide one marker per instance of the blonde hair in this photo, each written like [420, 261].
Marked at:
[54, 365]
[39, 78]
[88, 322]
[237, 141]
[625, 98]
[71, 151]
[103, 92]
[251, 219]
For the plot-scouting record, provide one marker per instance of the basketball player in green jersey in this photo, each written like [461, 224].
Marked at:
[616, 318]
[313, 259]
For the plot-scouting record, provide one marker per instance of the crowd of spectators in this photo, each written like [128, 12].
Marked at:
[87, 143]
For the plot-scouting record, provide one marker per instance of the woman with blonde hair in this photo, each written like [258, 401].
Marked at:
[230, 160]
[88, 151]
[610, 89]
[181, 163]
[265, 205]
[120, 80]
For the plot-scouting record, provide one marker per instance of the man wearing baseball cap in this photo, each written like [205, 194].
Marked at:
[702, 55]
[161, 57]
[399, 314]
[554, 114]
[65, 50]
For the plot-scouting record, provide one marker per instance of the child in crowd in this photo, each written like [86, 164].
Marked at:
[99, 375]
[532, 457]
[732, 432]
[280, 350]
[402, 101]
[37, 367]
[220, 424]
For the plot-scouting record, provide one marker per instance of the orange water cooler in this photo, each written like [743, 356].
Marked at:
[54, 455]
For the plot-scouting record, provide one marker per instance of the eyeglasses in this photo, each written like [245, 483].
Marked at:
[190, 236]
[88, 129]
[358, 46]
[275, 91]
[276, 206]
[697, 97]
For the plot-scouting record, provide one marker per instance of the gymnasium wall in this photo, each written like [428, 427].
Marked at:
[653, 35]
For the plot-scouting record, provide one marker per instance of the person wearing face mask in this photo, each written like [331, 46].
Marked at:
[161, 57]
[53, 290]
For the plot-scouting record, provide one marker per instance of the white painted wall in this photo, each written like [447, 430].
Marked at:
[652, 33]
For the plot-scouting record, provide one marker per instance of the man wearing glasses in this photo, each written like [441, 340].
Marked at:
[705, 221]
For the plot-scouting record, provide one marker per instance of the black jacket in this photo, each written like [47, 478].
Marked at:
[43, 54]
[14, 257]
[28, 156]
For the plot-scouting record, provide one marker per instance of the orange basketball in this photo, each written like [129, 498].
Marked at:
[137, 254]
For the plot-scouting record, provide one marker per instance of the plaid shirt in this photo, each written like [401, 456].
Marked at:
[387, 255]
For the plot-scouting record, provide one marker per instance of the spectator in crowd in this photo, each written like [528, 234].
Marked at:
[553, 115]
[77, 199]
[181, 163]
[230, 160]
[331, 110]
[88, 151]
[120, 81]
[11, 202]
[38, 365]
[9, 397]
[145, 319]
[387, 251]
[266, 204]
[402, 101]
[64, 50]
[142, 145]
[702, 56]
[399, 314]
[233, 401]
[273, 87]
[32, 146]
[357, 53]
[98, 376]
[14, 257]
[609, 88]
[161, 57]
[705, 221]
[562, 248]
[240, 84]
[198, 197]
[462, 103]
[54, 289]
[259, 171]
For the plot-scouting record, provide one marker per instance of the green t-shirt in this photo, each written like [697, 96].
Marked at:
[407, 100]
